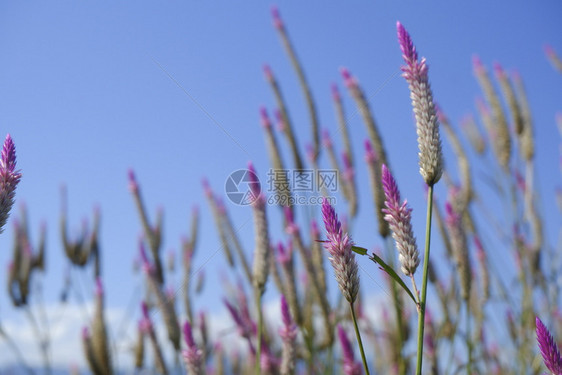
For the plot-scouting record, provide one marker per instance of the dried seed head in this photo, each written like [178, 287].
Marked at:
[427, 126]
[460, 249]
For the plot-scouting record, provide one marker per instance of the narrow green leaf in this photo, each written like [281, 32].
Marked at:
[359, 250]
[385, 267]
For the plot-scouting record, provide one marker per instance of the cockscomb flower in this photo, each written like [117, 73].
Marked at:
[288, 333]
[350, 367]
[399, 215]
[341, 256]
[9, 179]
[549, 349]
[416, 74]
[192, 356]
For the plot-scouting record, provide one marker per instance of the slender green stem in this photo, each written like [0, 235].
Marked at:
[468, 340]
[398, 311]
[260, 331]
[421, 314]
[359, 339]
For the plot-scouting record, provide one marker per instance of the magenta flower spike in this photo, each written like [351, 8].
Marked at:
[192, 356]
[9, 179]
[264, 118]
[549, 349]
[350, 367]
[398, 215]
[341, 256]
[277, 21]
[416, 74]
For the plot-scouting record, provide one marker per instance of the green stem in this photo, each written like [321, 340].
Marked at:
[359, 339]
[421, 314]
[260, 331]
[468, 340]
[398, 311]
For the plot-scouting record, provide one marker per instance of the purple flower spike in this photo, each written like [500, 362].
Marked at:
[268, 72]
[192, 356]
[326, 139]
[370, 155]
[549, 349]
[99, 287]
[133, 185]
[341, 256]
[254, 185]
[409, 53]
[265, 122]
[398, 215]
[9, 179]
[350, 367]
[427, 127]
[335, 93]
[277, 21]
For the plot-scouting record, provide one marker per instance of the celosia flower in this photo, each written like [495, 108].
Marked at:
[341, 256]
[549, 349]
[427, 126]
[9, 179]
[192, 356]
[350, 366]
[399, 215]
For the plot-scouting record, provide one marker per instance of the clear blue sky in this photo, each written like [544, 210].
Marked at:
[84, 99]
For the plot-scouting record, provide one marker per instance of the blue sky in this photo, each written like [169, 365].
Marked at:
[85, 94]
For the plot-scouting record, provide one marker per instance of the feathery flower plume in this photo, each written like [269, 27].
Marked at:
[260, 269]
[459, 247]
[553, 57]
[146, 327]
[350, 366]
[549, 349]
[9, 179]
[341, 256]
[501, 139]
[416, 74]
[378, 193]
[288, 333]
[192, 356]
[471, 131]
[398, 215]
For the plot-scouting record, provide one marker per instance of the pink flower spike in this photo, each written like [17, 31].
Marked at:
[398, 215]
[207, 188]
[268, 72]
[342, 258]
[133, 185]
[498, 70]
[277, 21]
[350, 367]
[348, 79]
[370, 155]
[279, 119]
[335, 93]
[477, 64]
[548, 50]
[99, 287]
[549, 349]
[264, 117]
[326, 139]
[409, 53]
[254, 184]
[192, 356]
[9, 180]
